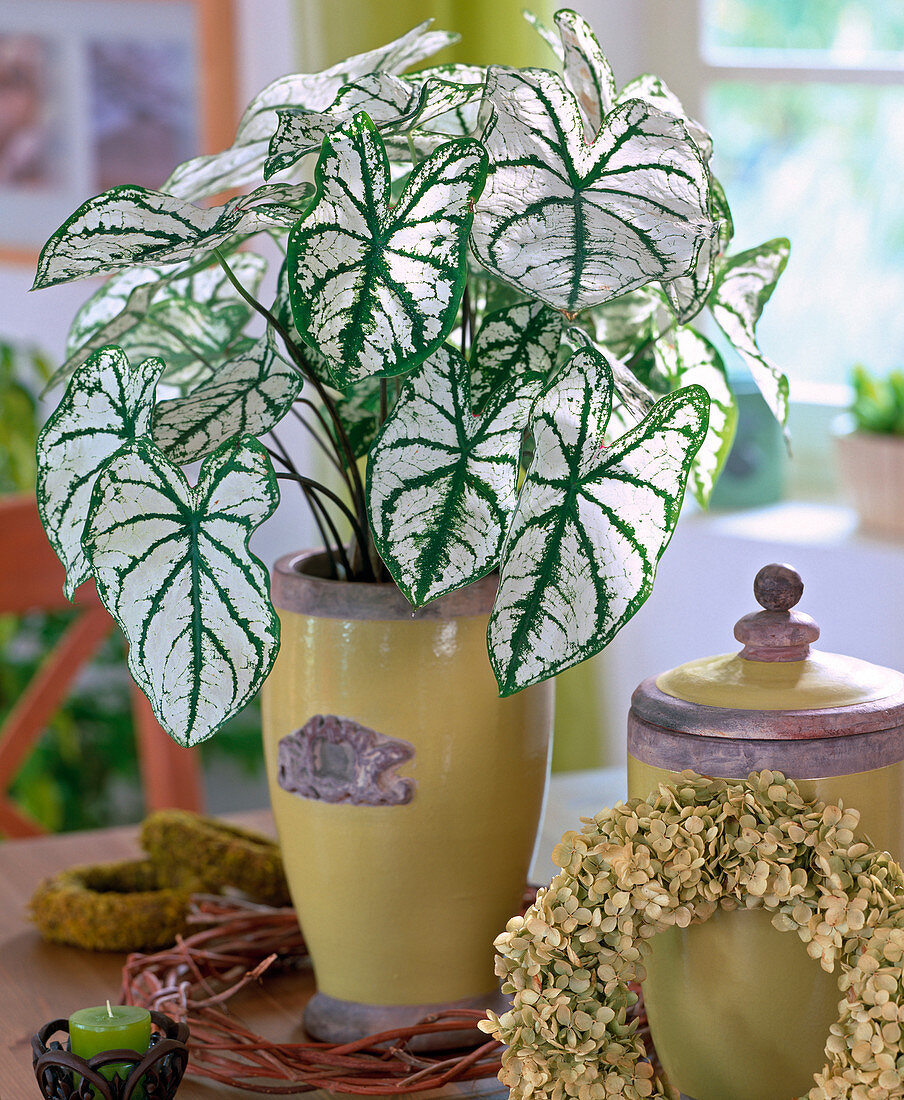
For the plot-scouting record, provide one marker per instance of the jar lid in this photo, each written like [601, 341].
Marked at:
[776, 671]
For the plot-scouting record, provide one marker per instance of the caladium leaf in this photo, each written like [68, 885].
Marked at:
[688, 294]
[655, 91]
[173, 568]
[587, 71]
[108, 403]
[634, 399]
[392, 103]
[622, 325]
[441, 481]
[132, 225]
[513, 342]
[744, 284]
[243, 162]
[591, 522]
[358, 407]
[548, 35]
[575, 224]
[461, 119]
[249, 395]
[685, 358]
[193, 339]
[121, 305]
[375, 289]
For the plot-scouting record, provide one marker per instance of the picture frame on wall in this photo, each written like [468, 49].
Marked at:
[97, 93]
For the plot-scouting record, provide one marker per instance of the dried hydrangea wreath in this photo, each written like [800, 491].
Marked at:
[640, 867]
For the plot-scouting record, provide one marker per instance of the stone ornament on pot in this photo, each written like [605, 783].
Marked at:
[738, 1010]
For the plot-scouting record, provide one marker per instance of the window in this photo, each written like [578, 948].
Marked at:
[806, 101]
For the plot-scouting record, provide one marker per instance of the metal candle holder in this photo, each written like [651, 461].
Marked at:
[155, 1075]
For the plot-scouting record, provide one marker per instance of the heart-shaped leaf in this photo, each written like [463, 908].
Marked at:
[655, 91]
[686, 358]
[442, 481]
[518, 340]
[392, 103]
[249, 395]
[243, 163]
[634, 399]
[121, 304]
[459, 120]
[688, 294]
[744, 284]
[132, 225]
[591, 522]
[375, 289]
[549, 36]
[193, 339]
[108, 403]
[587, 71]
[173, 568]
[575, 224]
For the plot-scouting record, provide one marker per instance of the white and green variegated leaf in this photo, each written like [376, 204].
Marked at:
[688, 294]
[173, 568]
[622, 325]
[358, 407]
[519, 340]
[392, 103]
[249, 395]
[461, 119]
[686, 358]
[655, 91]
[591, 522]
[107, 318]
[211, 286]
[575, 224]
[376, 289]
[192, 339]
[587, 71]
[721, 213]
[548, 35]
[744, 284]
[132, 225]
[635, 400]
[441, 481]
[118, 307]
[108, 403]
[243, 163]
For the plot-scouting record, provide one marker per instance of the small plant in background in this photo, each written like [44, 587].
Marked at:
[878, 404]
[488, 292]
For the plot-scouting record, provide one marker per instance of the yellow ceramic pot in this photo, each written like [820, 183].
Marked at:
[738, 1010]
[407, 794]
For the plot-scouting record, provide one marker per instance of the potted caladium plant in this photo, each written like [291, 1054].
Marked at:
[487, 294]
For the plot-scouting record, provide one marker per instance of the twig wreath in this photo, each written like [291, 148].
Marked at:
[641, 867]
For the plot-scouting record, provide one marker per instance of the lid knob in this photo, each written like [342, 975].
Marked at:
[776, 633]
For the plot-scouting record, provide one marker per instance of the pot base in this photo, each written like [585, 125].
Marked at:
[335, 1021]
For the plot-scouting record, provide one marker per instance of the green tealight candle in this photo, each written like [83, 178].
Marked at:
[120, 1027]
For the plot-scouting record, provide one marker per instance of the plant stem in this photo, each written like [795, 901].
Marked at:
[311, 501]
[465, 310]
[330, 495]
[321, 443]
[384, 401]
[299, 361]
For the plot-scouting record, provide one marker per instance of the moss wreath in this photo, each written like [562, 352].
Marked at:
[643, 866]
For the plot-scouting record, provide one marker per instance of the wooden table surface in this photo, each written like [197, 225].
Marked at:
[41, 981]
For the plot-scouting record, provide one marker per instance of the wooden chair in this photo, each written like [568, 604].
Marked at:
[31, 579]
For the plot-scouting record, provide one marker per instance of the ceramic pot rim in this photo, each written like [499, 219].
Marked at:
[296, 587]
